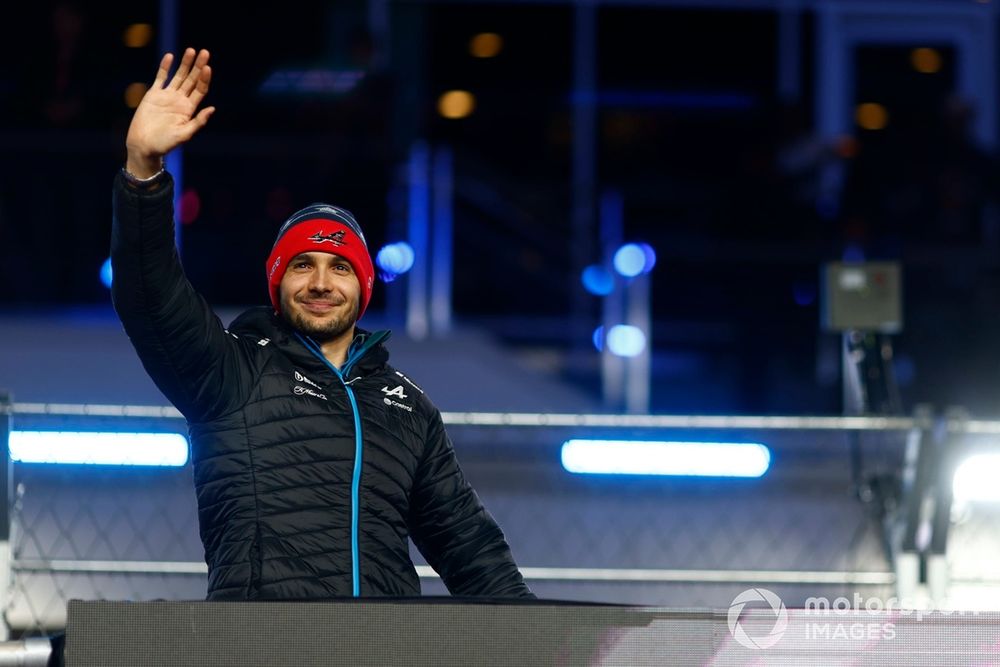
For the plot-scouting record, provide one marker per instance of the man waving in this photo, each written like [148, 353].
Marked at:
[314, 459]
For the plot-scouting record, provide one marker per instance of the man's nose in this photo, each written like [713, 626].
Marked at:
[320, 281]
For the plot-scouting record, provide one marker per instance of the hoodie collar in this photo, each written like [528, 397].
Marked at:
[366, 354]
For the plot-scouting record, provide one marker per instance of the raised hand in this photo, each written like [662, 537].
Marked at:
[166, 116]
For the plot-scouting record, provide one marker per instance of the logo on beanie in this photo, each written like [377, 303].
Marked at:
[337, 238]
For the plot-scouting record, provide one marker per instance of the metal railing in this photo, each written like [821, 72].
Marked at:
[50, 561]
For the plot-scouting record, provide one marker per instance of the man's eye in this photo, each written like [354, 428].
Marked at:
[342, 267]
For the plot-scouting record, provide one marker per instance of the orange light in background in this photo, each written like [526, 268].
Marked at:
[456, 104]
[486, 45]
[134, 93]
[926, 61]
[871, 116]
[137, 35]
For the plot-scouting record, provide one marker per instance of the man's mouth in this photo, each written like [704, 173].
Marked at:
[318, 307]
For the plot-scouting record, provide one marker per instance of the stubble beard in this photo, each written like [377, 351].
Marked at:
[323, 330]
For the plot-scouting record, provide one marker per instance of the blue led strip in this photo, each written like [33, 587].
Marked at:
[99, 448]
[356, 478]
[681, 459]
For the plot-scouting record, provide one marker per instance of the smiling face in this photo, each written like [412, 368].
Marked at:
[320, 295]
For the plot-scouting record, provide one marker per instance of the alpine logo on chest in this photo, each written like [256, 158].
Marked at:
[398, 393]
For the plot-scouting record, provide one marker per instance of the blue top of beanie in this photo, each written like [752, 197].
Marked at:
[322, 211]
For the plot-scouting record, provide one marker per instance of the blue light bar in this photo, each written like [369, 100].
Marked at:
[119, 449]
[687, 459]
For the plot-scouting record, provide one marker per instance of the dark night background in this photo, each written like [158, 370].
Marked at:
[716, 171]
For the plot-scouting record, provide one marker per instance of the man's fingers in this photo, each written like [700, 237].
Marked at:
[190, 128]
[201, 119]
[201, 86]
[181, 74]
[200, 63]
[161, 74]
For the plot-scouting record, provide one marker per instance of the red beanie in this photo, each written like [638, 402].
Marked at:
[321, 228]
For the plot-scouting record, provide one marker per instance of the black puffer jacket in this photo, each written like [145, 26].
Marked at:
[309, 479]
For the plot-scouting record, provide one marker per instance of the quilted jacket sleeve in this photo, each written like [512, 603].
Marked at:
[453, 530]
[183, 346]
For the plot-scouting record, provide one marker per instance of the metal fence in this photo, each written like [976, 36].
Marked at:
[845, 508]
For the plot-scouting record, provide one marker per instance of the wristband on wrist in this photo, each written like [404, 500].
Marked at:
[132, 179]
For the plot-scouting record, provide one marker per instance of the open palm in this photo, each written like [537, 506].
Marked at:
[168, 114]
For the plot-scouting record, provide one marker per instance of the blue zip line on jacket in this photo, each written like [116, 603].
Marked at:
[354, 354]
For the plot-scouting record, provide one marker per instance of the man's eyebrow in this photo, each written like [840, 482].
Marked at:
[306, 257]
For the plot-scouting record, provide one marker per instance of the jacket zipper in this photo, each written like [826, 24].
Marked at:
[356, 477]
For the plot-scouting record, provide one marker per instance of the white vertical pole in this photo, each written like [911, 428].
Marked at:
[613, 306]
[441, 242]
[417, 324]
[637, 368]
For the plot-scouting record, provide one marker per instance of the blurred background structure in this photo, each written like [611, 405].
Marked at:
[596, 207]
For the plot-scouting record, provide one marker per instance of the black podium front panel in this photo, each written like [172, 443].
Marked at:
[451, 632]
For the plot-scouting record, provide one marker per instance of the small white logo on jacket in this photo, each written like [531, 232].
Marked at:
[398, 391]
[299, 377]
[397, 404]
[299, 390]
[410, 382]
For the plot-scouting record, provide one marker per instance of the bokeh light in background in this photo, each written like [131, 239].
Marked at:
[190, 206]
[626, 340]
[486, 45]
[134, 93]
[975, 479]
[926, 61]
[137, 35]
[106, 273]
[597, 280]
[456, 104]
[871, 116]
[597, 338]
[634, 259]
[394, 260]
